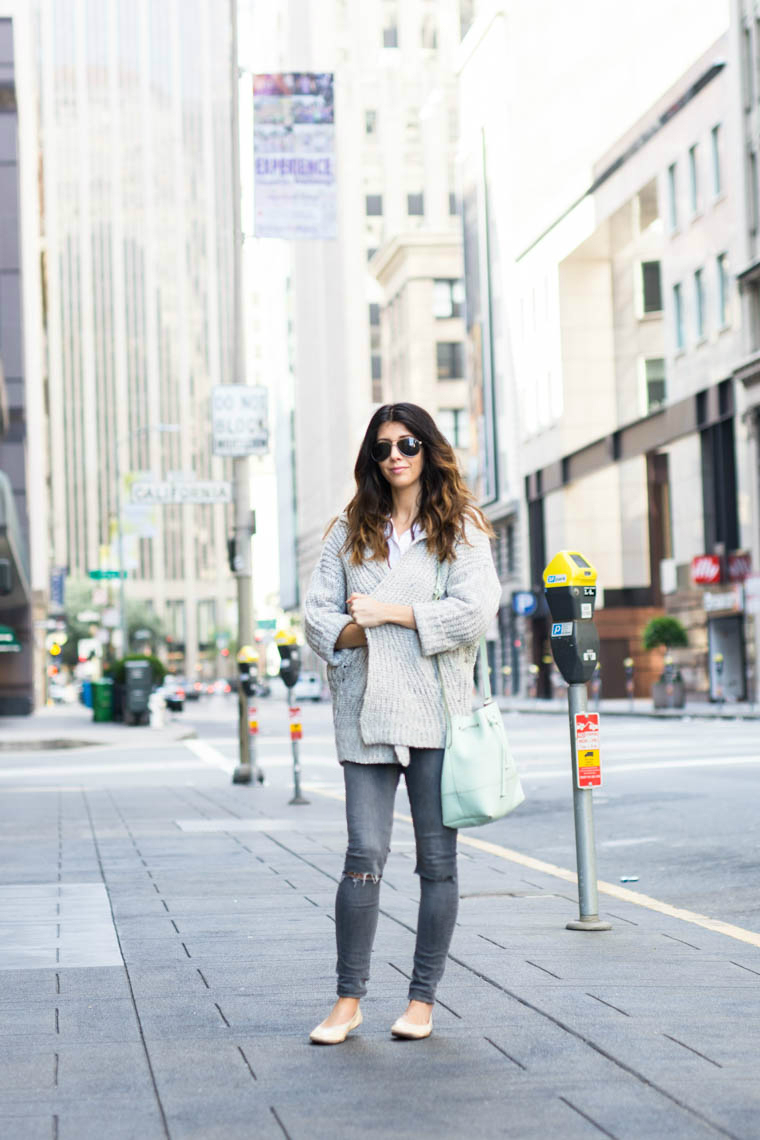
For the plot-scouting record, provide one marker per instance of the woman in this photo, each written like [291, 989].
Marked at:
[403, 591]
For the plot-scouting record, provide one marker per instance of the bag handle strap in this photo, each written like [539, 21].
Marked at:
[483, 650]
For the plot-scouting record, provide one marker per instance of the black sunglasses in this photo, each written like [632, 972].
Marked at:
[408, 446]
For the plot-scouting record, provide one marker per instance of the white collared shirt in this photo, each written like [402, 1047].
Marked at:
[398, 544]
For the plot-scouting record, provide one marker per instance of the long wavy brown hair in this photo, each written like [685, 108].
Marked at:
[445, 504]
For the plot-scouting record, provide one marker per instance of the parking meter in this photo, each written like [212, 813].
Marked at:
[290, 667]
[247, 662]
[570, 587]
[290, 658]
[247, 770]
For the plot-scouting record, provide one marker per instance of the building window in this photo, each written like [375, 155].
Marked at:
[371, 251]
[448, 299]
[715, 141]
[429, 33]
[678, 316]
[651, 288]
[654, 378]
[504, 550]
[722, 266]
[377, 366]
[466, 16]
[370, 122]
[672, 197]
[415, 205]
[449, 359]
[390, 24]
[374, 315]
[748, 77]
[752, 191]
[455, 425]
[699, 303]
[374, 205]
[693, 179]
[453, 204]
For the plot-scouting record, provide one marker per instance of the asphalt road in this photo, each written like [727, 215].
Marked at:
[678, 809]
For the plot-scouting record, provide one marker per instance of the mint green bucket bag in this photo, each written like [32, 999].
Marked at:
[479, 780]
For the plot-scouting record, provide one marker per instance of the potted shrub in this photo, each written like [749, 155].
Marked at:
[667, 633]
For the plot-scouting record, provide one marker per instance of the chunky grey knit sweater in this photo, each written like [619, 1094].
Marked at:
[387, 696]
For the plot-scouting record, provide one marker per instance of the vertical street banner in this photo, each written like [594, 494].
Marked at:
[295, 193]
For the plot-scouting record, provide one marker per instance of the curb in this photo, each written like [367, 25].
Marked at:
[652, 714]
[56, 743]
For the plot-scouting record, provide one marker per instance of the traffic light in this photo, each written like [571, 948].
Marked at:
[6, 580]
[232, 552]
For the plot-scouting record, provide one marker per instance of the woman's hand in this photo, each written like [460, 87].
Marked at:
[368, 613]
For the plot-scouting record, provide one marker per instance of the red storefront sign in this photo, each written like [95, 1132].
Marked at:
[739, 566]
[706, 570]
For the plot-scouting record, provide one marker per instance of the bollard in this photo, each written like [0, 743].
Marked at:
[296, 734]
[628, 666]
[570, 587]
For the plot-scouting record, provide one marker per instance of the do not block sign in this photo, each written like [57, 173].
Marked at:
[587, 750]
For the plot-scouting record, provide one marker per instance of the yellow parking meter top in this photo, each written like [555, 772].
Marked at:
[246, 655]
[569, 568]
[285, 637]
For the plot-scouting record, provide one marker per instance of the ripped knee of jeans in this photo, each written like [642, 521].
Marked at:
[362, 877]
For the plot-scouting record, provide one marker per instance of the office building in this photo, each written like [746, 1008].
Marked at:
[135, 105]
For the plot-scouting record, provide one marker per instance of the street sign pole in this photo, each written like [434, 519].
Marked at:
[120, 546]
[243, 569]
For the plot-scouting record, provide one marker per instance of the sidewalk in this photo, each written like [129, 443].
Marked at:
[642, 706]
[69, 726]
[165, 951]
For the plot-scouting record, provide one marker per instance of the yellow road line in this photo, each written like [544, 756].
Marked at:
[611, 889]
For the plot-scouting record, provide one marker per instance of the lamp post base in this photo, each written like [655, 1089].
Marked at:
[592, 922]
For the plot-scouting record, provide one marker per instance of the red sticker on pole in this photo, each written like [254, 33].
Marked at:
[587, 750]
[296, 731]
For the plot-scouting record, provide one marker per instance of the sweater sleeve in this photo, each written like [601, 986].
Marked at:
[324, 607]
[473, 592]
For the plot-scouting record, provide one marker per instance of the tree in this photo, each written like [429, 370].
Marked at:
[664, 632]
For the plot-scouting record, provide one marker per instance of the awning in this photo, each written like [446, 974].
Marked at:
[9, 643]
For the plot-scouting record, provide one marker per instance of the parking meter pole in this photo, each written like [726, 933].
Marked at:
[290, 668]
[583, 813]
[295, 735]
[570, 584]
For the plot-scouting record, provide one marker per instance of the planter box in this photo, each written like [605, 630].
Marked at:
[675, 700]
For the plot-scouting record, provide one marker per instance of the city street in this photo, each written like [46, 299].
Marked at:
[166, 943]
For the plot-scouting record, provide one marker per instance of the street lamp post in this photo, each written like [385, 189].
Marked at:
[119, 528]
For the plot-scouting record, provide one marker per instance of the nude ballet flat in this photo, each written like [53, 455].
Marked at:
[335, 1034]
[411, 1032]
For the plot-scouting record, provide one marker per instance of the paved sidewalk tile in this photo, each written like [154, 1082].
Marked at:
[223, 959]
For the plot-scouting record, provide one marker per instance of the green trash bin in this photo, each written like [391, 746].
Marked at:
[102, 700]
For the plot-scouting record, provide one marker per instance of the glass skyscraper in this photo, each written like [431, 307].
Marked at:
[136, 147]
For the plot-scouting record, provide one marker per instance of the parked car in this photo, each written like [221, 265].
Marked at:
[173, 692]
[195, 691]
[308, 687]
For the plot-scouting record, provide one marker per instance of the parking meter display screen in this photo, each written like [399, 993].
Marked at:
[579, 561]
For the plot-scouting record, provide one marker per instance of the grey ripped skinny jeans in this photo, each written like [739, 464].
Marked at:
[370, 796]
